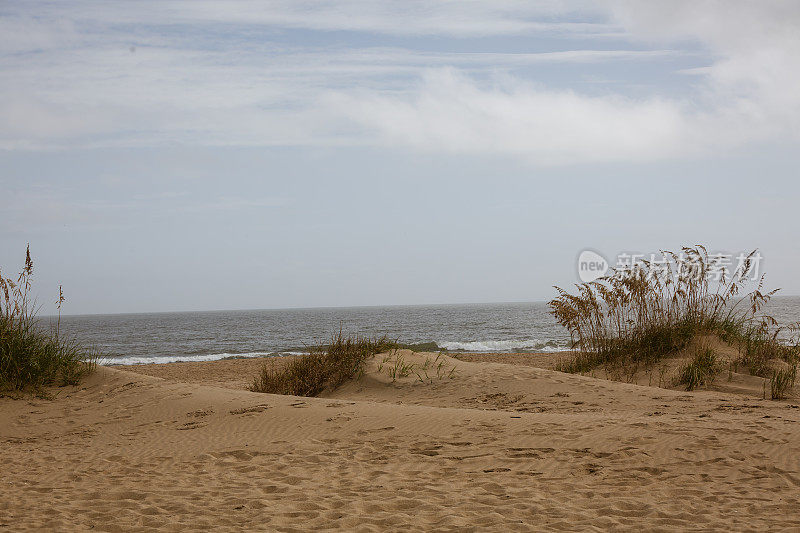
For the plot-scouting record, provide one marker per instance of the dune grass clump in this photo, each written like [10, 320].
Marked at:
[638, 315]
[324, 369]
[30, 356]
[701, 370]
[429, 371]
[782, 381]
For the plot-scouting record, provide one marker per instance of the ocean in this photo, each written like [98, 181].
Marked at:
[210, 335]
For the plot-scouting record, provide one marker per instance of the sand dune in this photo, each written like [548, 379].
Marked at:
[490, 446]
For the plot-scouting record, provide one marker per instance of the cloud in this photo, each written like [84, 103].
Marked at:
[110, 96]
[748, 94]
[753, 82]
[463, 18]
[238, 73]
[451, 112]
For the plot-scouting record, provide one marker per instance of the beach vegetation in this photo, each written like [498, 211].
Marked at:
[428, 371]
[32, 356]
[783, 380]
[325, 368]
[701, 370]
[638, 315]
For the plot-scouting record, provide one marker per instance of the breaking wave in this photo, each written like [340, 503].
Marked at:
[160, 359]
[527, 345]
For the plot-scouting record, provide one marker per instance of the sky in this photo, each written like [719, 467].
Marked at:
[198, 155]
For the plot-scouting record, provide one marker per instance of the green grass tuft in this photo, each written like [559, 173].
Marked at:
[701, 370]
[782, 381]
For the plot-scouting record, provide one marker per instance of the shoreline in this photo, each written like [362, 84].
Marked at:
[210, 358]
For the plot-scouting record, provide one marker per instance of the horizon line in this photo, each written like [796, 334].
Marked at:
[294, 308]
[300, 308]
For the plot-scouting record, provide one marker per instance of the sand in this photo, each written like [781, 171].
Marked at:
[490, 446]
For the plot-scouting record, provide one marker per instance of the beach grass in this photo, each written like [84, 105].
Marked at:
[701, 370]
[31, 357]
[637, 316]
[781, 381]
[431, 369]
[324, 369]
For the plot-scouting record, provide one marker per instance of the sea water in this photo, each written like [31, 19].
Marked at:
[210, 335]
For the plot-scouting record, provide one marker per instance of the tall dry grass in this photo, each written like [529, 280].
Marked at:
[30, 356]
[636, 316]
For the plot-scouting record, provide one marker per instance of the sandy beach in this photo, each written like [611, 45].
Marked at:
[373, 266]
[494, 446]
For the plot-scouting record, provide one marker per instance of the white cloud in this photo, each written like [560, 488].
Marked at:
[754, 82]
[110, 96]
[451, 112]
[72, 81]
[750, 93]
